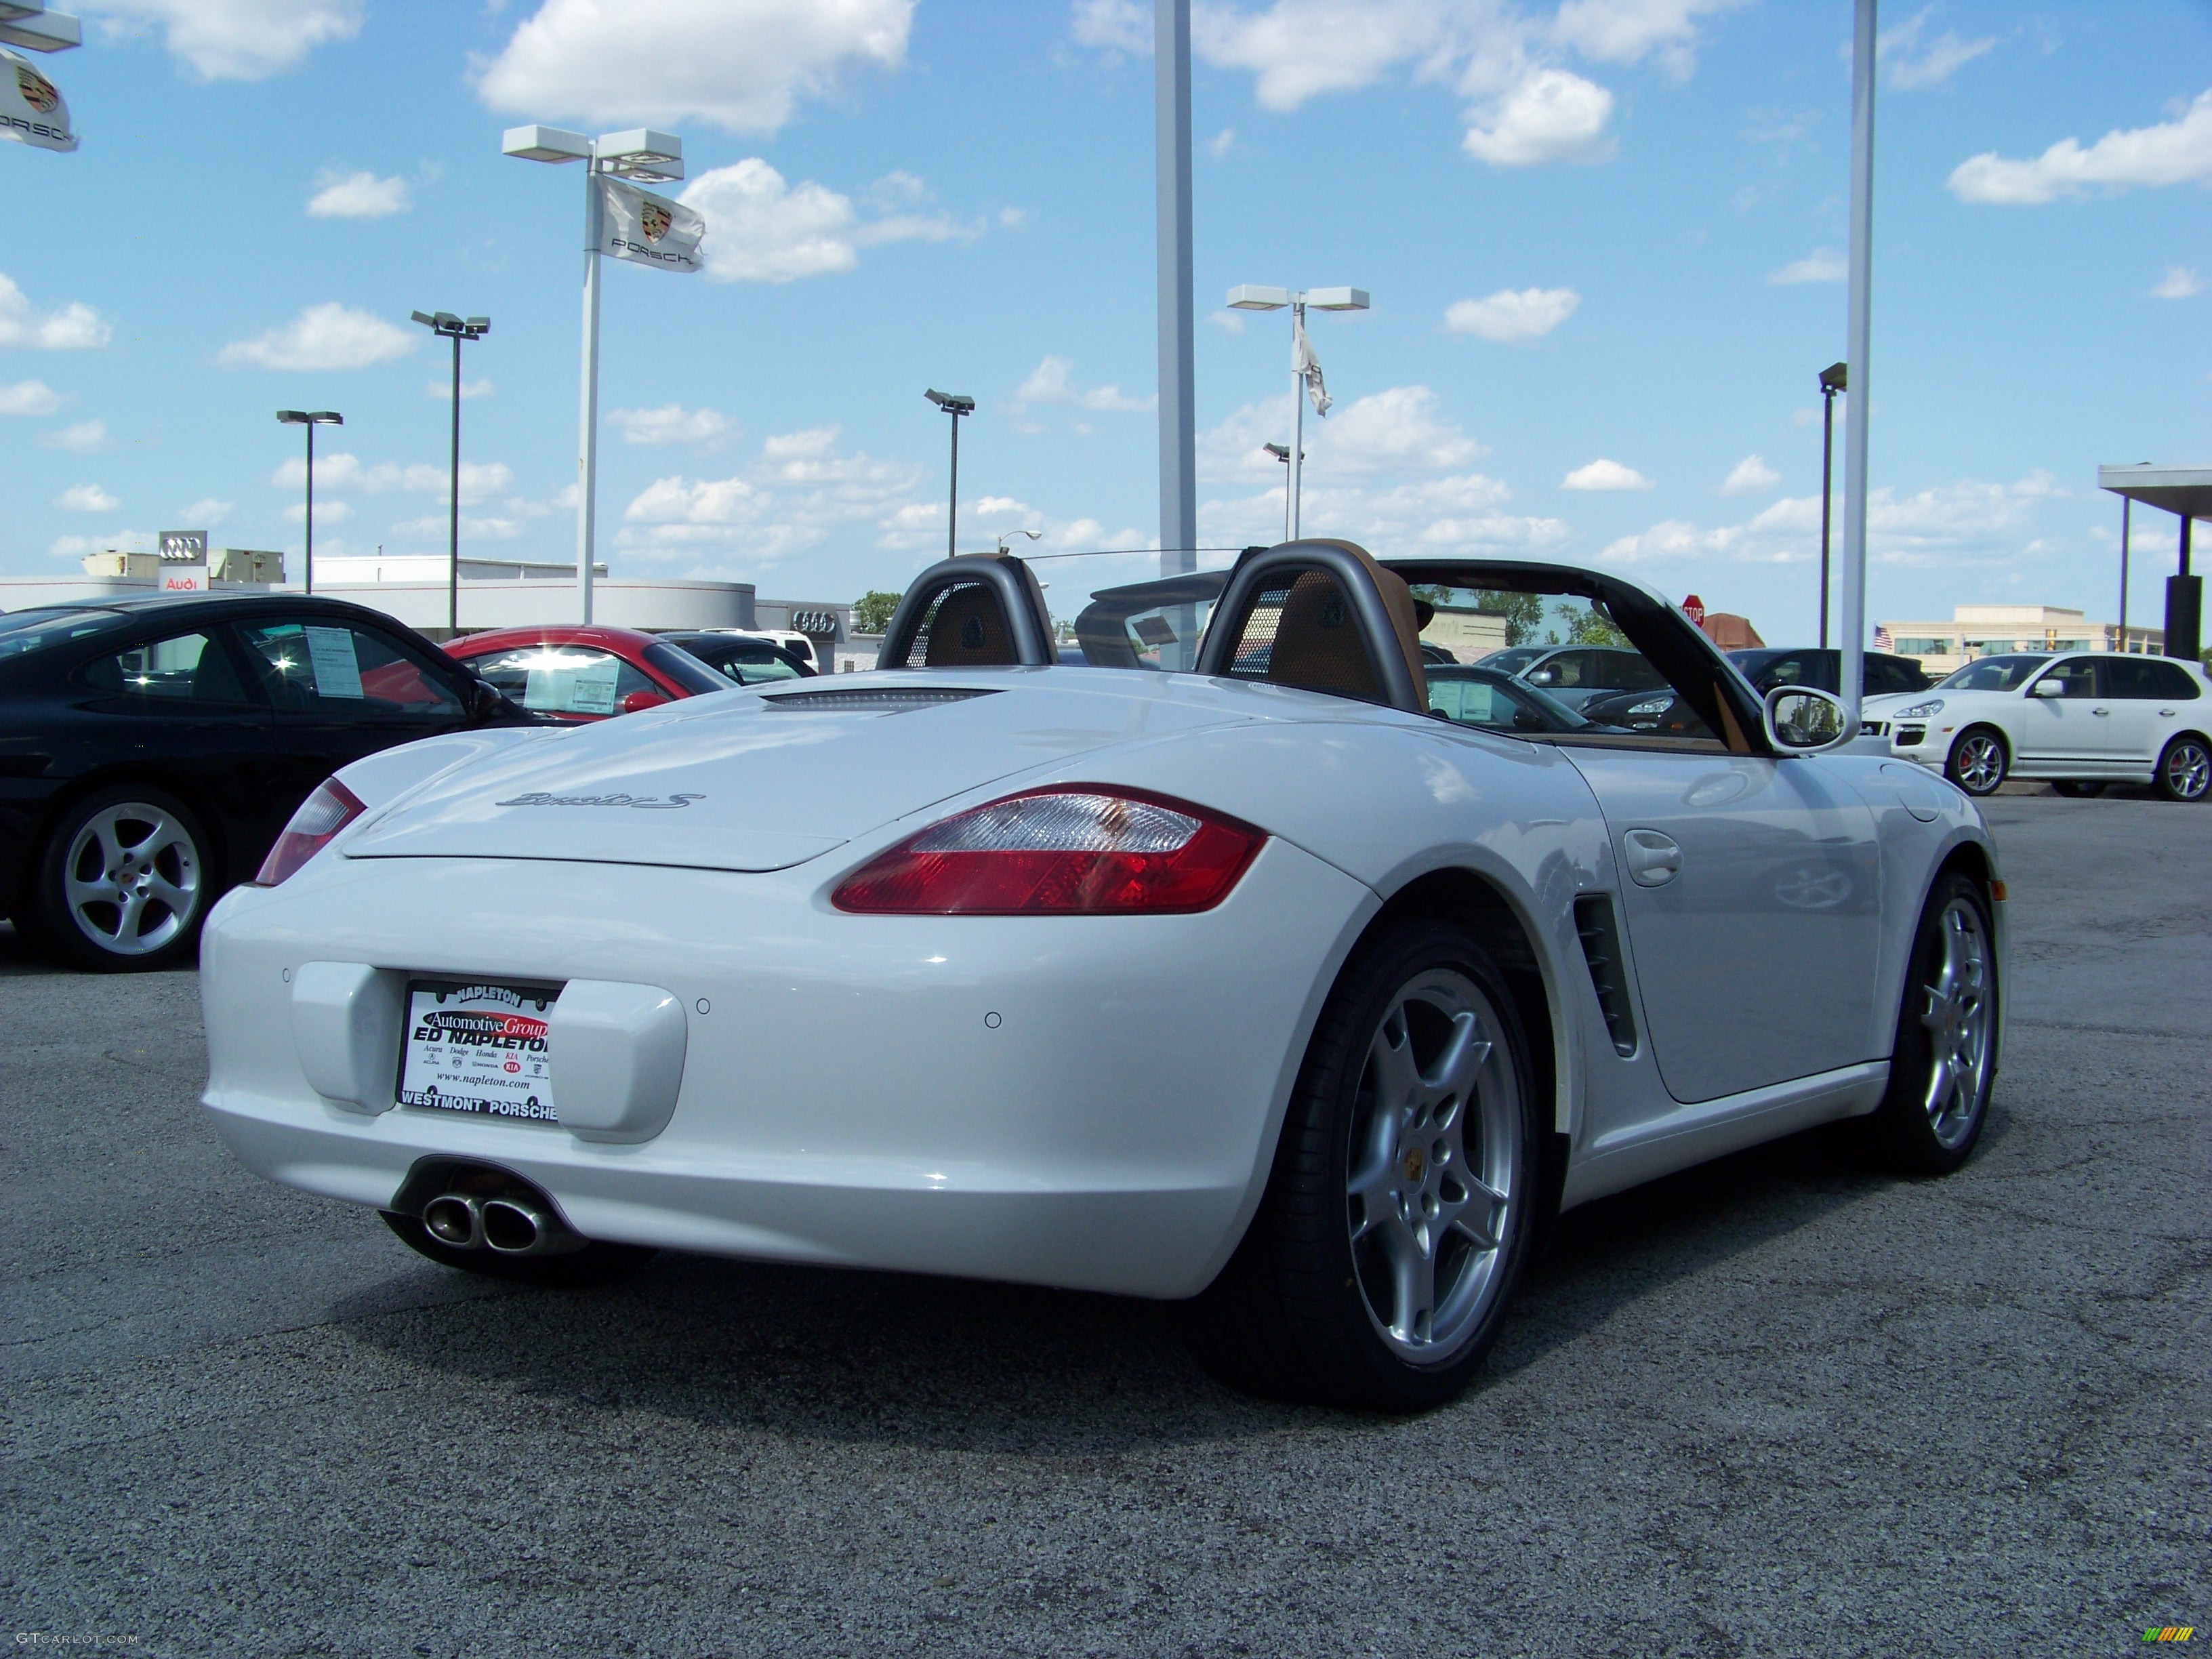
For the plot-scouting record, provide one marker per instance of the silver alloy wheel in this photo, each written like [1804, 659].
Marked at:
[131, 881]
[1958, 1019]
[1979, 763]
[2188, 770]
[1436, 1139]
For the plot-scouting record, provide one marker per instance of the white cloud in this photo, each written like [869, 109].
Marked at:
[76, 327]
[739, 64]
[234, 40]
[473, 529]
[86, 498]
[443, 390]
[1511, 315]
[81, 439]
[1913, 61]
[357, 196]
[798, 491]
[323, 336]
[2172, 153]
[1113, 26]
[672, 424]
[1222, 143]
[206, 514]
[1395, 430]
[1049, 384]
[1604, 475]
[29, 397]
[2179, 283]
[1821, 265]
[759, 229]
[1750, 477]
[1229, 322]
[1298, 48]
[1550, 116]
[341, 473]
[326, 512]
[1625, 31]
[1966, 524]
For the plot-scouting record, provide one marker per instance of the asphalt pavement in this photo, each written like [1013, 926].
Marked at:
[1779, 1406]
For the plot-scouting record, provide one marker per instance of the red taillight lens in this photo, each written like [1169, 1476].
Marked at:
[1066, 852]
[322, 815]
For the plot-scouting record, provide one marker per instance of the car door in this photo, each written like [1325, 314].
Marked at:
[2071, 733]
[343, 689]
[2148, 697]
[1751, 888]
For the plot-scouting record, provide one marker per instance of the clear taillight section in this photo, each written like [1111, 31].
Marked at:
[321, 816]
[1064, 851]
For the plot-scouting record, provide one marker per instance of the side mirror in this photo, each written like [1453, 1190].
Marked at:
[2047, 686]
[1801, 721]
[485, 701]
[1542, 677]
[638, 702]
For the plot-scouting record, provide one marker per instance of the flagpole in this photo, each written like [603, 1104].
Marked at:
[588, 457]
[1297, 411]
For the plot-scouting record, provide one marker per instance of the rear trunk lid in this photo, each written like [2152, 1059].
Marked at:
[746, 782]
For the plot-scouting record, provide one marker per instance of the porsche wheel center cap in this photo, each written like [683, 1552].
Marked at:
[1414, 1164]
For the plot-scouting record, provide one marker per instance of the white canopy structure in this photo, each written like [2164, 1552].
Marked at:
[2186, 492]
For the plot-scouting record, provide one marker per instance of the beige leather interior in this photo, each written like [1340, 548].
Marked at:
[969, 630]
[1317, 644]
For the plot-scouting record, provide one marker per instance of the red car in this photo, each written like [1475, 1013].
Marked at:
[573, 672]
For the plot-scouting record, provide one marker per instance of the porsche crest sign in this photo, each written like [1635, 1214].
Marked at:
[648, 229]
[31, 111]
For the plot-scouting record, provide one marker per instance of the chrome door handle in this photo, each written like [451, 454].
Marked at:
[1653, 859]
[2168, 713]
[2100, 711]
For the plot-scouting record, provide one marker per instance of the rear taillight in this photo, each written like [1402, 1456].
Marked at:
[321, 816]
[1073, 851]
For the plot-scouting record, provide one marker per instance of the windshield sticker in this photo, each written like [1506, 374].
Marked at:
[331, 660]
[560, 684]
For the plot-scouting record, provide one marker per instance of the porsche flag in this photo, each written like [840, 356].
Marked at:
[635, 224]
[1306, 366]
[31, 107]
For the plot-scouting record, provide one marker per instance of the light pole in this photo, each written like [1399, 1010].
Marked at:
[956, 406]
[642, 154]
[1832, 378]
[1305, 371]
[1858, 331]
[1032, 534]
[1282, 452]
[457, 330]
[311, 419]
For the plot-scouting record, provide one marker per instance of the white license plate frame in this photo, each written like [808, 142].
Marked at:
[478, 1047]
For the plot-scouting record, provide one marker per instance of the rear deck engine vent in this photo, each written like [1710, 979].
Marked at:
[889, 701]
[1601, 950]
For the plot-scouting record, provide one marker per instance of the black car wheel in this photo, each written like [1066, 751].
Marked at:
[2079, 789]
[1978, 761]
[124, 881]
[1403, 1199]
[1945, 1062]
[2184, 770]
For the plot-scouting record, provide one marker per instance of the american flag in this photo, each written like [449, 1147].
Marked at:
[1881, 637]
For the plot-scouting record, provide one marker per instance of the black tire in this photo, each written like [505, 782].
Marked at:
[2079, 789]
[1293, 1315]
[147, 849]
[1978, 761]
[1927, 1125]
[2184, 770]
[595, 1264]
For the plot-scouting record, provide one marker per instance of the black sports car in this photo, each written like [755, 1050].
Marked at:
[745, 658]
[152, 749]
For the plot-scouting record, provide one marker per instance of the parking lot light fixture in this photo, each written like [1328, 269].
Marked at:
[1250, 297]
[456, 329]
[1833, 380]
[644, 157]
[956, 406]
[310, 418]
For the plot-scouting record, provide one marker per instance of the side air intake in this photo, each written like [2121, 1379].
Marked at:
[1602, 951]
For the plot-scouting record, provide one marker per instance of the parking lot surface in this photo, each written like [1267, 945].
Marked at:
[1777, 1406]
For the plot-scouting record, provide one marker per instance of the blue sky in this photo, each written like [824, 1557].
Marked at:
[1604, 238]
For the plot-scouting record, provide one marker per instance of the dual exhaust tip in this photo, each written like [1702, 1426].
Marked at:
[504, 1225]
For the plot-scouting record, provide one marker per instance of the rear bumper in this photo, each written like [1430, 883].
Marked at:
[1082, 1102]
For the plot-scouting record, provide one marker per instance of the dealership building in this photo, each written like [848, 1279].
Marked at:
[1986, 631]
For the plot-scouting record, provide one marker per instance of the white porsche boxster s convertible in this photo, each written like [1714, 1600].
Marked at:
[1258, 983]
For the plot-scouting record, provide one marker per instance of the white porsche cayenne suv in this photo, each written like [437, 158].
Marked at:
[2082, 720]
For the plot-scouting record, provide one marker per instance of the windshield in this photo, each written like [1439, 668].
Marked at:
[1512, 661]
[1994, 674]
[1497, 702]
[677, 664]
[33, 630]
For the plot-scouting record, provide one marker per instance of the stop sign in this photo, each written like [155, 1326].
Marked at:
[1694, 608]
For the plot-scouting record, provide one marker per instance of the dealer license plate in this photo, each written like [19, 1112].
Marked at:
[476, 1047]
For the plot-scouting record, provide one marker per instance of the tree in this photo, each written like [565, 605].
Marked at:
[1589, 625]
[872, 611]
[1522, 612]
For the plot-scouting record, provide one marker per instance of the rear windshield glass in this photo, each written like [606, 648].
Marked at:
[33, 630]
[1994, 674]
[679, 666]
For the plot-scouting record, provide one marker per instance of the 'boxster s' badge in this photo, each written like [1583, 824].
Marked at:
[540, 798]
